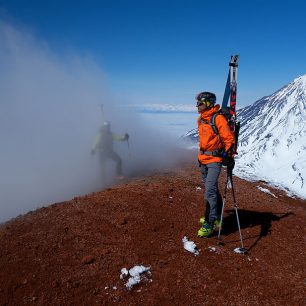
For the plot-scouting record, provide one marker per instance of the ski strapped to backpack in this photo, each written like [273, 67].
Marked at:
[230, 95]
[231, 85]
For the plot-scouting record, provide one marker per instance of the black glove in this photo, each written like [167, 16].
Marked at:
[228, 161]
[126, 136]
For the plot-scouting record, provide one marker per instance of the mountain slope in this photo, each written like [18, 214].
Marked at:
[272, 143]
[71, 253]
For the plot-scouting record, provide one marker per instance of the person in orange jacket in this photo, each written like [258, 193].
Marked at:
[212, 149]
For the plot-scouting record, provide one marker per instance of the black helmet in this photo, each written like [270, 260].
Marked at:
[206, 96]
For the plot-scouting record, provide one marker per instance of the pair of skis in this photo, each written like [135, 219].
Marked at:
[230, 92]
[230, 96]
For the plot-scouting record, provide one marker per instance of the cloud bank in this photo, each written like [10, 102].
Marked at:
[50, 113]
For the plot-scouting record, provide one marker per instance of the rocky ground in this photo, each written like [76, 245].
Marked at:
[72, 253]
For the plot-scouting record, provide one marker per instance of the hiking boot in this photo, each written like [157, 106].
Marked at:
[206, 230]
[217, 223]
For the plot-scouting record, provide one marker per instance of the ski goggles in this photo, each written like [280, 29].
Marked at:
[205, 103]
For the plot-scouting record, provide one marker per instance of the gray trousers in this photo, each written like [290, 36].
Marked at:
[210, 176]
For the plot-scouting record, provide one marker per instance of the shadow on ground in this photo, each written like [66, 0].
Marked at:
[248, 219]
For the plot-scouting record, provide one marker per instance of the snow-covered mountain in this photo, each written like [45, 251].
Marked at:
[272, 143]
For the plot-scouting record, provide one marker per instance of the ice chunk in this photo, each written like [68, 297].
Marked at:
[239, 250]
[134, 274]
[136, 270]
[132, 281]
[124, 272]
[212, 249]
[190, 246]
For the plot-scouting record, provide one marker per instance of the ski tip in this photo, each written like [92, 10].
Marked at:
[234, 60]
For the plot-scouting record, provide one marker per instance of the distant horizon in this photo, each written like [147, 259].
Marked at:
[187, 108]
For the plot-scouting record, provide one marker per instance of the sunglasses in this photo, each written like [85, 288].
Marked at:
[205, 103]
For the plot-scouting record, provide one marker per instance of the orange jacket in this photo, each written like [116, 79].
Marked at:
[208, 140]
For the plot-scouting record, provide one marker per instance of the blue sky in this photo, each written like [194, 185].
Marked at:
[167, 51]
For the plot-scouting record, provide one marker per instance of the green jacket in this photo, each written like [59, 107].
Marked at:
[104, 141]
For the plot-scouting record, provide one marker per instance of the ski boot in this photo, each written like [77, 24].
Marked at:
[217, 223]
[206, 230]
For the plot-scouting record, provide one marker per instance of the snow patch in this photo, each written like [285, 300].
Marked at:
[135, 275]
[190, 246]
[265, 190]
[124, 273]
[212, 249]
[239, 251]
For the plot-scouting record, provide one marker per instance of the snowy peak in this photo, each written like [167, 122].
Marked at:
[292, 94]
[300, 81]
[285, 109]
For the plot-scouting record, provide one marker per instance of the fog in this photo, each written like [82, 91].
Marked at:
[50, 115]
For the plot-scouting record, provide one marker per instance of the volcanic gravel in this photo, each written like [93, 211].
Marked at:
[71, 253]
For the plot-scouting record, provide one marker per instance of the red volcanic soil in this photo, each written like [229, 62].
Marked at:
[71, 253]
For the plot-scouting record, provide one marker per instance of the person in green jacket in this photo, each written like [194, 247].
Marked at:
[104, 144]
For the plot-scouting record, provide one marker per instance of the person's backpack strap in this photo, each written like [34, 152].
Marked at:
[213, 123]
[214, 126]
[204, 121]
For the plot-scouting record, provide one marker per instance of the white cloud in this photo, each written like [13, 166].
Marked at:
[49, 116]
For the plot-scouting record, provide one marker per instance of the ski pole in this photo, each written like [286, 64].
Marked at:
[223, 204]
[128, 144]
[242, 249]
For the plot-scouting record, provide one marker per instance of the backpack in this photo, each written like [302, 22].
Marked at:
[232, 123]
